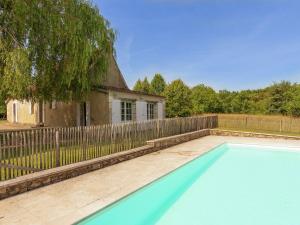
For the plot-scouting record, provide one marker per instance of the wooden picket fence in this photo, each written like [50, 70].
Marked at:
[27, 151]
[260, 123]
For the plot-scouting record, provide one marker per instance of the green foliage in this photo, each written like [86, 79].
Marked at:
[146, 86]
[205, 100]
[293, 106]
[52, 49]
[138, 86]
[280, 95]
[280, 98]
[2, 107]
[243, 102]
[226, 99]
[142, 86]
[178, 99]
[16, 74]
[158, 84]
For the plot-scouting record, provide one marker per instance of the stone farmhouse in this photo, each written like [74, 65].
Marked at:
[112, 102]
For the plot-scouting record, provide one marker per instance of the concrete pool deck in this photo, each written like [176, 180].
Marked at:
[71, 200]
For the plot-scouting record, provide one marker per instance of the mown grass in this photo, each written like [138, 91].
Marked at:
[47, 159]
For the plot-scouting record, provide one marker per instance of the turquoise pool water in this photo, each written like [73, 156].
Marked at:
[230, 185]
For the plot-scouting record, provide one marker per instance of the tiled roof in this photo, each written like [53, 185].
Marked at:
[109, 88]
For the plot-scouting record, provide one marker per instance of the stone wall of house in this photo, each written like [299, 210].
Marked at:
[100, 105]
[99, 108]
[26, 113]
[59, 114]
[66, 114]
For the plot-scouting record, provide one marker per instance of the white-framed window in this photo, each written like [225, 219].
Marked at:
[150, 111]
[126, 111]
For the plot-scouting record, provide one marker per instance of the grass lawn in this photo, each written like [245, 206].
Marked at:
[47, 159]
[5, 125]
[261, 131]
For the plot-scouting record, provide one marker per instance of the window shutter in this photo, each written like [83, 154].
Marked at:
[141, 111]
[116, 111]
[160, 110]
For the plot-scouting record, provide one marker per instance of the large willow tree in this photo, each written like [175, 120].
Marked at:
[52, 49]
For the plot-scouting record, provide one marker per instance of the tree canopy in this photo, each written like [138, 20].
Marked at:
[142, 86]
[52, 49]
[293, 106]
[146, 86]
[138, 86]
[158, 84]
[281, 98]
[205, 99]
[2, 107]
[178, 99]
[280, 95]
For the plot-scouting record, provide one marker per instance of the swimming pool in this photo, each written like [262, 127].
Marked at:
[230, 185]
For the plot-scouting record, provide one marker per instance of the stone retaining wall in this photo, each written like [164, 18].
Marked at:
[51, 176]
[39, 179]
[218, 132]
[177, 139]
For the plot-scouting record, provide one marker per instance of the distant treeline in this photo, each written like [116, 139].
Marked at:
[277, 99]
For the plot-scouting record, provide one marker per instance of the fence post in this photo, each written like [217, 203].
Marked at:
[157, 129]
[57, 148]
[84, 133]
[280, 125]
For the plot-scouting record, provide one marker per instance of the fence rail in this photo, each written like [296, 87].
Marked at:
[280, 124]
[27, 151]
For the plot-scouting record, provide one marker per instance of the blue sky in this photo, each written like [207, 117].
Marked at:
[227, 44]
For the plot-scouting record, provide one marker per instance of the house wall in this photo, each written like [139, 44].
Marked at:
[103, 107]
[99, 108]
[139, 106]
[67, 114]
[24, 114]
[63, 114]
